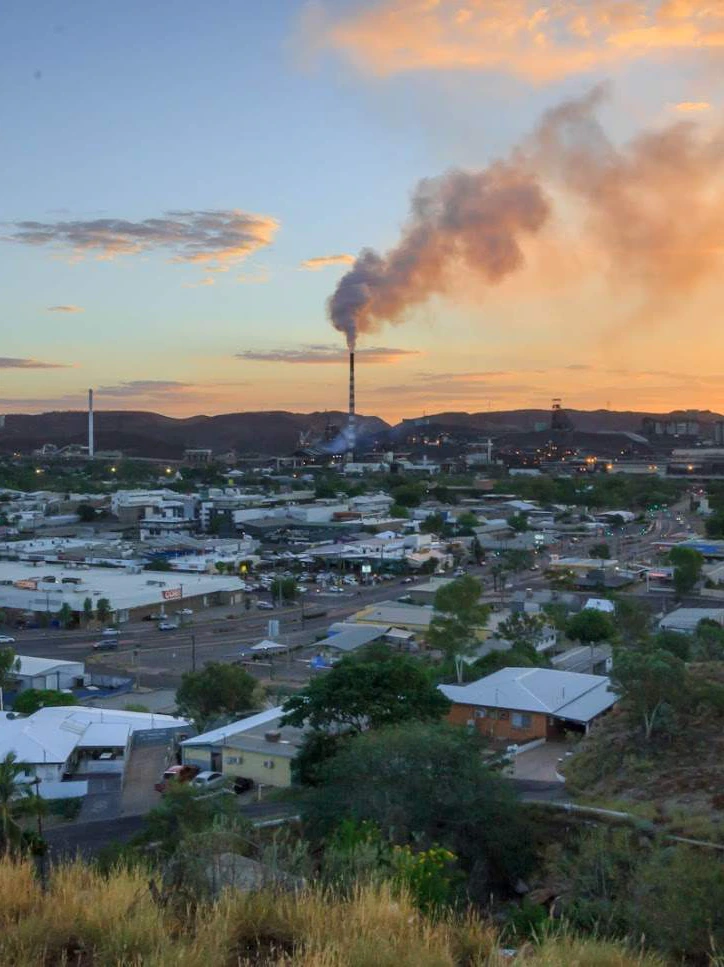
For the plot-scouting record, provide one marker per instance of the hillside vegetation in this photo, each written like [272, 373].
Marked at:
[86, 919]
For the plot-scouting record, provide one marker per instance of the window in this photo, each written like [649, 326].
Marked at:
[234, 760]
[480, 713]
[521, 720]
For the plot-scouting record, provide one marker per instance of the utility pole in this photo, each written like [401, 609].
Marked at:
[193, 651]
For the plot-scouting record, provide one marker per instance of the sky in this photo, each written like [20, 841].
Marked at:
[185, 186]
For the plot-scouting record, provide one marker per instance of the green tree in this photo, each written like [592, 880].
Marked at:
[672, 641]
[633, 620]
[399, 511]
[522, 629]
[715, 525]
[602, 551]
[103, 610]
[467, 522]
[11, 792]
[687, 569]
[32, 699]
[425, 784]
[517, 560]
[65, 615]
[88, 610]
[86, 513]
[590, 626]
[216, 691]
[650, 682]
[159, 564]
[9, 664]
[434, 524]
[408, 495]
[458, 613]
[357, 694]
[284, 589]
[518, 522]
[708, 641]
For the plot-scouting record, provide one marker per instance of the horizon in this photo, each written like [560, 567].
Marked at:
[544, 194]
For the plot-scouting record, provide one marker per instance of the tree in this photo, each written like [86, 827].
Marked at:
[687, 569]
[65, 615]
[433, 524]
[649, 681]
[467, 522]
[284, 589]
[518, 522]
[458, 613]
[424, 784]
[10, 791]
[633, 620]
[708, 641]
[357, 694]
[32, 699]
[674, 642]
[9, 664]
[602, 551]
[103, 610]
[399, 511]
[86, 513]
[522, 630]
[408, 495]
[159, 564]
[216, 691]
[88, 610]
[518, 559]
[590, 626]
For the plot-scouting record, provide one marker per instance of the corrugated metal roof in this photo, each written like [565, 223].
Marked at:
[546, 690]
[352, 637]
[224, 732]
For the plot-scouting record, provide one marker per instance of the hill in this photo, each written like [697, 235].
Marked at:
[142, 434]
[278, 432]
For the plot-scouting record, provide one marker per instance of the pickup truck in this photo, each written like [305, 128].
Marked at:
[176, 774]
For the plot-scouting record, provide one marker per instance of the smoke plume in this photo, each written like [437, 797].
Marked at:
[473, 219]
[653, 208]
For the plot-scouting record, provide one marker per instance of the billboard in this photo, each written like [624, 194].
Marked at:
[26, 584]
[173, 594]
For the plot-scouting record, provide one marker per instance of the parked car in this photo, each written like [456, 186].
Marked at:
[407, 581]
[185, 611]
[109, 644]
[110, 632]
[459, 572]
[405, 599]
[265, 605]
[242, 785]
[176, 774]
[6, 640]
[207, 780]
[168, 626]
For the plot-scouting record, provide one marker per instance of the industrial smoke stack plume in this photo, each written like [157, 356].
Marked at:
[352, 421]
[91, 441]
[653, 217]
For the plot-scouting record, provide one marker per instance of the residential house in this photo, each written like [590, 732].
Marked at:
[522, 704]
[255, 748]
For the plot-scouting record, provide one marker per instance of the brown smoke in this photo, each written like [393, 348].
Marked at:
[473, 219]
[654, 208]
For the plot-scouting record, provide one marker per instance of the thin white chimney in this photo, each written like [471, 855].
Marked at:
[91, 441]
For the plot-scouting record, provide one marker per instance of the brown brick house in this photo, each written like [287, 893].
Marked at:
[521, 704]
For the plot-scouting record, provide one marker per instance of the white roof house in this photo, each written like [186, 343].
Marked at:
[685, 620]
[599, 604]
[47, 673]
[564, 695]
[47, 740]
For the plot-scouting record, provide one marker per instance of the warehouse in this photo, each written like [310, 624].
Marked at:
[28, 590]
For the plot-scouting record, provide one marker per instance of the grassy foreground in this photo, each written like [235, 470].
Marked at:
[89, 920]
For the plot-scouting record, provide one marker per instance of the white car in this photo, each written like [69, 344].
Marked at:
[186, 611]
[6, 640]
[110, 632]
[265, 605]
[168, 626]
[207, 780]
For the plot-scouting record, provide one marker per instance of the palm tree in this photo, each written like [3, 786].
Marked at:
[10, 791]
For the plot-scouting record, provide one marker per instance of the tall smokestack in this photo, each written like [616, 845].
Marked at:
[351, 425]
[91, 441]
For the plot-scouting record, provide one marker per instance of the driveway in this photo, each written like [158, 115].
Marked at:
[539, 765]
[103, 800]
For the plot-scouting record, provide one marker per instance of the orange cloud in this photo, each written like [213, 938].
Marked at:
[691, 107]
[522, 37]
[322, 261]
[65, 309]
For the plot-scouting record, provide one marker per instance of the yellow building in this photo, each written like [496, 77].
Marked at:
[254, 748]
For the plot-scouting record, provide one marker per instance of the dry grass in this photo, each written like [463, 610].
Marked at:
[88, 920]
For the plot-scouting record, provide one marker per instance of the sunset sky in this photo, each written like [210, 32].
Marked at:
[184, 185]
